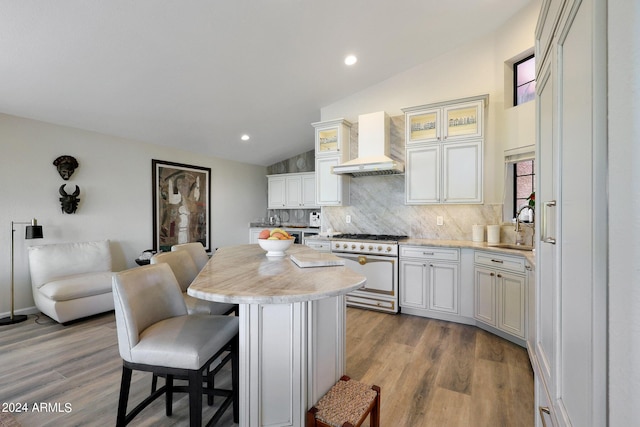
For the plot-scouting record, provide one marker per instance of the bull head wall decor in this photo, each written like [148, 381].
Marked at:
[69, 202]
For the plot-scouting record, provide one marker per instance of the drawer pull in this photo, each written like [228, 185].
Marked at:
[428, 253]
[544, 410]
[499, 261]
[545, 238]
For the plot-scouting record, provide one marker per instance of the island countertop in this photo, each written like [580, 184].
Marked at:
[243, 274]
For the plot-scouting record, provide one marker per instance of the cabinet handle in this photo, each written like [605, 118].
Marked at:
[427, 253]
[430, 265]
[492, 274]
[544, 410]
[499, 261]
[543, 226]
[499, 275]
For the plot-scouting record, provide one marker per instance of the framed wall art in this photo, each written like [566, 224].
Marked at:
[181, 204]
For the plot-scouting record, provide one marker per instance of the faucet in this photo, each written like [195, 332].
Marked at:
[533, 212]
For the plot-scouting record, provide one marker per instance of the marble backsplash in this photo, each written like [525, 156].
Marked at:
[377, 207]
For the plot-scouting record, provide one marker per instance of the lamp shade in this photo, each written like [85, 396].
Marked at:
[33, 231]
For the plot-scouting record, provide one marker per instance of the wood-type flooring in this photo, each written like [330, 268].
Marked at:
[432, 373]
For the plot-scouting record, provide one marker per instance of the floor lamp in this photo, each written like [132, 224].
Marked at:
[34, 231]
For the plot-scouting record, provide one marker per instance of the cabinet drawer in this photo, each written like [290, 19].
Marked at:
[321, 246]
[426, 252]
[515, 264]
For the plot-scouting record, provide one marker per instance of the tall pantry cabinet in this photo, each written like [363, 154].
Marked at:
[568, 346]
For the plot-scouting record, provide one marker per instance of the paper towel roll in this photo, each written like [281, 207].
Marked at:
[478, 233]
[493, 234]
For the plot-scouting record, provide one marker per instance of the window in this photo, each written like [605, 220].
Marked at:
[524, 80]
[523, 183]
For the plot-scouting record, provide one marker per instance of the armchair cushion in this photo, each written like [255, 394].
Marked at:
[80, 286]
[185, 342]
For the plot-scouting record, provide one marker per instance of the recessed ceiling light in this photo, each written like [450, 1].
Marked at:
[350, 59]
[244, 137]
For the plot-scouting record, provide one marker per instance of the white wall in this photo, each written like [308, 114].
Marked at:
[114, 177]
[624, 212]
[476, 68]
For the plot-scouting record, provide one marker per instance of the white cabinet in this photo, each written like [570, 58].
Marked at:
[422, 174]
[444, 152]
[429, 281]
[500, 293]
[570, 352]
[318, 245]
[254, 233]
[462, 172]
[277, 191]
[332, 141]
[292, 191]
[446, 121]
[331, 189]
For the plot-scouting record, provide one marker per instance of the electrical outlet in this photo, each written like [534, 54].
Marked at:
[347, 219]
[439, 220]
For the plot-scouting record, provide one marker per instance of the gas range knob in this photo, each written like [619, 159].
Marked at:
[353, 246]
[379, 248]
[344, 246]
[337, 245]
[361, 247]
[388, 248]
[370, 247]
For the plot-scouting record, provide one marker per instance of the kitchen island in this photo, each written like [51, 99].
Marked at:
[292, 328]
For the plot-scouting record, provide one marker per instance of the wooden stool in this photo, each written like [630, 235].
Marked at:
[346, 404]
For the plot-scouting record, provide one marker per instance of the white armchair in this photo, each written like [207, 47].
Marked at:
[185, 270]
[71, 280]
[197, 252]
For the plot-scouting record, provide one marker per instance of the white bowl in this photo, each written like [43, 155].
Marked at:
[275, 247]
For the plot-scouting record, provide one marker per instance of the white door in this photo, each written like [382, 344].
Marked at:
[511, 300]
[443, 287]
[277, 192]
[422, 176]
[485, 295]
[462, 172]
[328, 185]
[294, 191]
[309, 191]
[413, 284]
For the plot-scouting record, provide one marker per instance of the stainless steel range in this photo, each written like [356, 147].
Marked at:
[376, 257]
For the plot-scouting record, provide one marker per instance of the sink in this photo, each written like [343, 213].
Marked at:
[513, 246]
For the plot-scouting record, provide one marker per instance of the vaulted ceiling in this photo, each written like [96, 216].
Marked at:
[197, 74]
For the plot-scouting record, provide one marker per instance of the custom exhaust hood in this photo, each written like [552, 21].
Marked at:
[373, 149]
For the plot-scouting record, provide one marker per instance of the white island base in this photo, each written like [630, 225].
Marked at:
[292, 327]
[290, 356]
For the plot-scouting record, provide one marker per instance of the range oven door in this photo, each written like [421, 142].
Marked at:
[380, 292]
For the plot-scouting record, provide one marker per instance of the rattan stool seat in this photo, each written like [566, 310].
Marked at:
[347, 403]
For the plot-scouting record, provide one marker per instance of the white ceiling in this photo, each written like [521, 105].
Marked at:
[196, 74]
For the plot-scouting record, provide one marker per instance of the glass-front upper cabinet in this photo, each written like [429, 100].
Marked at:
[444, 122]
[463, 121]
[332, 137]
[424, 126]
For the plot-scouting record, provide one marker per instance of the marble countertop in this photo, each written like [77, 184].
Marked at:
[245, 275]
[528, 255]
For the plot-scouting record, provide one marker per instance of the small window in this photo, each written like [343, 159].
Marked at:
[524, 80]
[523, 183]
